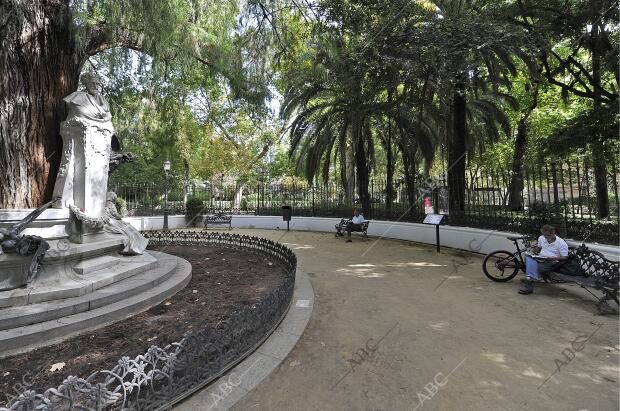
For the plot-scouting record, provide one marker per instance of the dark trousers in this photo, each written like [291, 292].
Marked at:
[353, 227]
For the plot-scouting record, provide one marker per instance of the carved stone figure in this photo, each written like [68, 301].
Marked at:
[134, 242]
[11, 242]
[86, 133]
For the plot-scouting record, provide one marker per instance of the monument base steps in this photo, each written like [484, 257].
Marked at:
[39, 324]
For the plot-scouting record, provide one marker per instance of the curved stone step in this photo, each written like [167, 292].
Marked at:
[95, 264]
[26, 338]
[61, 281]
[157, 272]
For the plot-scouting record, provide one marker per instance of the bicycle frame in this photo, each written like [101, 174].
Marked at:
[518, 254]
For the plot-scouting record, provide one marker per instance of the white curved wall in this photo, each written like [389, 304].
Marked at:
[469, 239]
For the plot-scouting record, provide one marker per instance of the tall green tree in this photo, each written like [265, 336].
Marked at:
[578, 44]
[44, 46]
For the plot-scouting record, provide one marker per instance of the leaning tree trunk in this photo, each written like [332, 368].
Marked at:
[457, 150]
[39, 67]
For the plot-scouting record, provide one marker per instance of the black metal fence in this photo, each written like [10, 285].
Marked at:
[561, 193]
[163, 376]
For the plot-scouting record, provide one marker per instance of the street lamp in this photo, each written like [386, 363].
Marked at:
[166, 173]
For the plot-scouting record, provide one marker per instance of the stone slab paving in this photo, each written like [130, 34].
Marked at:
[396, 326]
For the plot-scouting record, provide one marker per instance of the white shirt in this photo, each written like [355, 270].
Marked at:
[558, 248]
[357, 219]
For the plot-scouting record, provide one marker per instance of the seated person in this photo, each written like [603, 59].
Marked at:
[355, 224]
[550, 250]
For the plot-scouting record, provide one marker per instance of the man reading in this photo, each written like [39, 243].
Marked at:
[355, 224]
[550, 250]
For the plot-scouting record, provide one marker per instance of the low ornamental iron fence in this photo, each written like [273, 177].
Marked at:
[561, 193]
[163, 376]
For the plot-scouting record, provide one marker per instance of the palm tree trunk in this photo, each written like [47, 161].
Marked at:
[350, 175]
[457, 149]
[408, 156]
[361, 164]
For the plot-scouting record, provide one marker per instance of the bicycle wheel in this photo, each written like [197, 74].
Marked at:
[500, 266]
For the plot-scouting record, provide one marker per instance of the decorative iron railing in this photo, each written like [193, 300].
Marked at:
[163, 376]
[562, 192]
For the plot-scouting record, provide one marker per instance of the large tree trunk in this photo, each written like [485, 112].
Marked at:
[40, 64]
[238, 195]
[457, 149]
[408, 156]
[185, 180]
[515, 198]
[39, 67]
[599, 166]
[389, 181]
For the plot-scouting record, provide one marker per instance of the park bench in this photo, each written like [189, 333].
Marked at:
[341, 228]
[599, 273]
[218, 219]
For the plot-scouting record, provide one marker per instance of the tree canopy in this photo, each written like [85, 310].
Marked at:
[363, 88]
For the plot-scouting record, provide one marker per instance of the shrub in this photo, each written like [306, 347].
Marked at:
[121, 206]
[193, 209]
[544, 210]
[548, 213]
[243, 205]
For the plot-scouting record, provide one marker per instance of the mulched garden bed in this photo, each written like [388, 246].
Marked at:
[223, 280]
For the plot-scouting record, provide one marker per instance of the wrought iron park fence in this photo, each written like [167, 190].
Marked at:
[561, 193]
[163, 376]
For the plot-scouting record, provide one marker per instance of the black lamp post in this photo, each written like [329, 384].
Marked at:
[166, 173]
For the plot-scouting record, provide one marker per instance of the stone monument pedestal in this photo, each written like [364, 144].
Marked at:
[79, 261]
[79, 286]
[83, 176]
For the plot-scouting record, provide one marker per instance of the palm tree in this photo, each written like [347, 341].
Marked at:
[472, 48]
[330, 115]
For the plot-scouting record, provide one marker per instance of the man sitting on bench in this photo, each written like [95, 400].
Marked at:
[550, 250]
[355, 224]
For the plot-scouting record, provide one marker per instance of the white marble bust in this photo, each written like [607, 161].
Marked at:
[88, 104]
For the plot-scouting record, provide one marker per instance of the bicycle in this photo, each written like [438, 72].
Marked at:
[502, 265]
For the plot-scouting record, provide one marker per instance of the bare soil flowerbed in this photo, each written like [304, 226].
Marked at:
[223, 280]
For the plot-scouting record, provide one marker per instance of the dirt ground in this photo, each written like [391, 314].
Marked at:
[222, 280]
[397, 326]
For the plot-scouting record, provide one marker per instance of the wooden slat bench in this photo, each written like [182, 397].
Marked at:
[218, 219]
